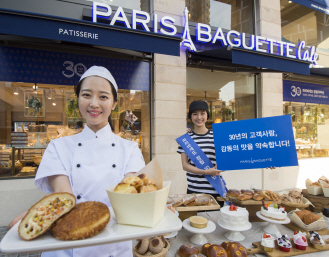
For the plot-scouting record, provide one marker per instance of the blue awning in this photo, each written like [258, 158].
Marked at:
[252, 59]
[318, 5]
[70, 30]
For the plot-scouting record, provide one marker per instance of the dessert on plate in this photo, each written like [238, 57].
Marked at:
[316, 240]
[234, 217]
[268, 242]
[300, 240]
[275, 212]
[283, 242]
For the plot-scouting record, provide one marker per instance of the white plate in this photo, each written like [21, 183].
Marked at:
[114, 232]
[172, 234]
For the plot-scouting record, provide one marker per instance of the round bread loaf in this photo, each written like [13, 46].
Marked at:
[125, 188]
[216, 250]
[187, 249]
[244, 197]
[148, 188]
[156, 245]
[247, 192]
[133, 181]
[310, 218]
[225, 244]
[142, 246]
[236, 249]
[257, 197]
[205, 248]
[83, 221]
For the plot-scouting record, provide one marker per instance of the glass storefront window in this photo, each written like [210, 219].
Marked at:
[142, 5]
[230, 96]
[300, 23]
[31, 115]
[227, 14]
[310, 126]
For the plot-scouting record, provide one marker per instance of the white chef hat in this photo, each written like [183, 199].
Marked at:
[101, 72]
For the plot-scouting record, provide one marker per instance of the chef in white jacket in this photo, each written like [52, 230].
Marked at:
[87, 163]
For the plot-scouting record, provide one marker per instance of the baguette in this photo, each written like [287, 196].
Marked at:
[44, 213]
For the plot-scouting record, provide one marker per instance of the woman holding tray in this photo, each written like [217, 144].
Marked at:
[204, 138]
[87, 163]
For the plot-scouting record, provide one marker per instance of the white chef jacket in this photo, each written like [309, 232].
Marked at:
[93, 162]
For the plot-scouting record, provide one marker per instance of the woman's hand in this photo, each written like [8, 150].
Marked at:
[14, 221]
[213, 171]
[271, 168]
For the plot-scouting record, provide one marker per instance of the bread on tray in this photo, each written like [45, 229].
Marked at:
[83, 221]
[41, 216]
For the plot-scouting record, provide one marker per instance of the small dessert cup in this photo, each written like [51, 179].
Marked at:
[316, 246]
[284, 249]
[301, 247]
[268, 249]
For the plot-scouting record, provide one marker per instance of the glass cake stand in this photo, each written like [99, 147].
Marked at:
[271, 228]
[234, 234]
[199, 238]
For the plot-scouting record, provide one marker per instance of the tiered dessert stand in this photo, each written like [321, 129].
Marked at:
[271, 228]
[234, 234]
[198, 238]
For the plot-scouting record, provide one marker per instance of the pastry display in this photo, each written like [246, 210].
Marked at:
[293, 196]
[189, 200]
[314, 188]
[283, 242]
[187, 249]
[85, 220]
[270, 195]
[233, 192]
[300, 240]
[234, 218]
[268, 242]
[234, 249]
[133, 185]
[216, 251]
[41, 216]
[274, 212]
[316, 240]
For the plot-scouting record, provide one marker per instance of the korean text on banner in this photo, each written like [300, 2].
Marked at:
[255, 143]
[201, 161]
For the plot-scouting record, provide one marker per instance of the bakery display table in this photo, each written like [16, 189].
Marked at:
[217, 236]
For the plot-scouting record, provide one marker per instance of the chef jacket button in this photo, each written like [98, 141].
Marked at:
[113, 165]
[113, 144]
[79, 144]
[78, 165]
[79, 196]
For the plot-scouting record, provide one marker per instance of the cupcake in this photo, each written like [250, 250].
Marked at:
[300, 240]
[268, 242]
[283, 242]
[316, 240]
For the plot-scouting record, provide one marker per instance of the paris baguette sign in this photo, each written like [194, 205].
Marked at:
[203, 33]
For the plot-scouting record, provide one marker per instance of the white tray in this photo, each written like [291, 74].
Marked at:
[114, 232]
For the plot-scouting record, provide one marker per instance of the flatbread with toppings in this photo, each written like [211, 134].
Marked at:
[44, 213]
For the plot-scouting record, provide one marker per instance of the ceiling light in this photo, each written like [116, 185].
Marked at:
[35, 87]
[289, 2]
[54, 104]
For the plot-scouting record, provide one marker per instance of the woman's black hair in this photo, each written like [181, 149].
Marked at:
[114, 93]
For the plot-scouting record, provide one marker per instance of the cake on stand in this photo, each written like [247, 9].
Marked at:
[271, 228]
[234, 234]
[199, 238]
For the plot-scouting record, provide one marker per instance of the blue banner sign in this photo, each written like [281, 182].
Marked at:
[255, 143]
[201, 161]
[294, 91]
[36, 66]
[318, 5]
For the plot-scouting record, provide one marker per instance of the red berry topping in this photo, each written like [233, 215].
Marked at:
[295, 232]
[304, 239]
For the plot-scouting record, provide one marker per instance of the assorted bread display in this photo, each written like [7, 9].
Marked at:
[189, 200]
[133, 185]
[151, 246]
[292, 196]
[226, 249]
[66, 220]
[319, 187]
[257, 195]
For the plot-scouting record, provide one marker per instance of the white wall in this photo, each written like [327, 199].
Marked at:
[17, 195]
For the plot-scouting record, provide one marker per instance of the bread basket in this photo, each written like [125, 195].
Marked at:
[315, 226]
[161, 254]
